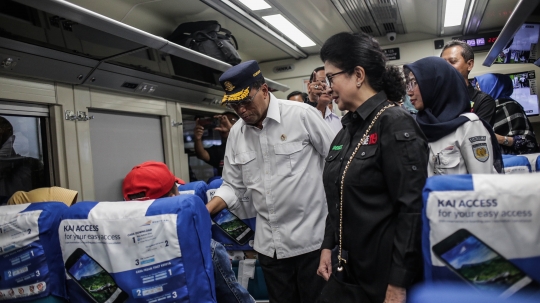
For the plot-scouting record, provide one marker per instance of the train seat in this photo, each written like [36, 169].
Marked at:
[30, 254]
[248, 271]
[483, 230]
[518, 164]
[197, 188]
[146, 250]
[533, 160]
[245, 211]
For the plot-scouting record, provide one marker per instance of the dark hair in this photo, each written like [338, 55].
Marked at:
[295, 93]
[312, 77]
[466, 50]
[349, 50]
[257, 84]
[406, 72]
[171, 191]
[6, 130]
[230, 115]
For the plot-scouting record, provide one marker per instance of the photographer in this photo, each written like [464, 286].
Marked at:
[214, 155]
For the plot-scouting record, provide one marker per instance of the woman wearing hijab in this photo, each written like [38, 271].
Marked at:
[373, 176]
[459, 142]
[512, 128]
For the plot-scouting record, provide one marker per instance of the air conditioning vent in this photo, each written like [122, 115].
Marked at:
[389, 27]
[130, 85]
[374, 17]
[384, 12]
[366, 29]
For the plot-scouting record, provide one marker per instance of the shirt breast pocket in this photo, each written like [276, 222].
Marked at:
[287, 157]
[363, 170]
[331, 173]
[366, 152]
[248, 162]
[446, 161]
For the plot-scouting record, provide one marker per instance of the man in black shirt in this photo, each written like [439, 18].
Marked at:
[214, 154]
[461, 56]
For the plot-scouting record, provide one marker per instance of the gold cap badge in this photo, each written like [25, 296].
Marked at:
[228, 86]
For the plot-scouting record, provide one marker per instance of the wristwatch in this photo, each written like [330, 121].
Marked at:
[505, 142]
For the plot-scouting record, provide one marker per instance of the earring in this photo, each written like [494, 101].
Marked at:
[358, 84]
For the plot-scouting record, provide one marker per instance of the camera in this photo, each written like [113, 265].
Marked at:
[391, 36]
[209, 122]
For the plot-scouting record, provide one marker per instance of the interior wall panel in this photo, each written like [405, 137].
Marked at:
[29, 90]
[82, 103]
[119, 142]
[69, 164]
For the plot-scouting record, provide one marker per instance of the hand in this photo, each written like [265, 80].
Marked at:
[215, 205]
[316, 89]
[325, 264]
[198, 131]
[395, 294]
[224, 123]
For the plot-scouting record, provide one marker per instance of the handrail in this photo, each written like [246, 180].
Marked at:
[103, 23]
[520, 14]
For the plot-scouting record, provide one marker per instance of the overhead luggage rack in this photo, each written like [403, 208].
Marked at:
[86, 48]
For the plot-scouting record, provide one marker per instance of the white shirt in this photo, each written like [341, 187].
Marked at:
[282, 165]
[467, 150]
[333, 120]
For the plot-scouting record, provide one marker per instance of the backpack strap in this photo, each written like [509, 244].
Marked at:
[229, 34]
[219, 43]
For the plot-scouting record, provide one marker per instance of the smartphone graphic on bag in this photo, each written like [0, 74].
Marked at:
[233, 226]
[481, 266]
[93, 279]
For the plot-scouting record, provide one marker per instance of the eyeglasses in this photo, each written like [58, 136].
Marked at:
[411, 85]
[245, 102]
[330, 78]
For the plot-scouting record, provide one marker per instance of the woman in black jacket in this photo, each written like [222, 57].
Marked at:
[384, 153]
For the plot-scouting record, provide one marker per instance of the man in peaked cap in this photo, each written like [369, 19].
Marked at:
[277, 151]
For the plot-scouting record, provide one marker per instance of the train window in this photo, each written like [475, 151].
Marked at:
[199, 170]
[24, 150]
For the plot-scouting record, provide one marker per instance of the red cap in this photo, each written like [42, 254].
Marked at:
[154, 179]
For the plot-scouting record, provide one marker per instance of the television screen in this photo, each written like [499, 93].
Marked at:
[524, 91]
[521, 48]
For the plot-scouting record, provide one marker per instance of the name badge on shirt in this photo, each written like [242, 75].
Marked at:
[477, 138]
[371, 139]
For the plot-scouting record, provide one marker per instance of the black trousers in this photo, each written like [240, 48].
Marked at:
[292, 280]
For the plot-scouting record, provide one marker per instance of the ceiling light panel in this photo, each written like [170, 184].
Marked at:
[255, 5]
[289, 30]
[453, 13]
